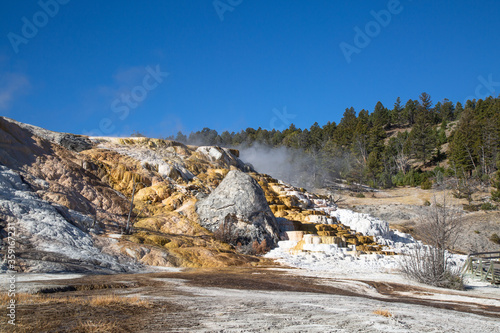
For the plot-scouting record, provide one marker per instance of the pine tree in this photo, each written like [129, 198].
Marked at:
[396, 115]
[381, 116]
[495, 194]
[316, 137]
[181, 137]
[345, 130]
[423, 135]
[458, 110]
[447, 111]
[409, 111]
[463, 145]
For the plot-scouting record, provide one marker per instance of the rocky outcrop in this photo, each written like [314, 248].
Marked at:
[240, 196]
[76, 143]
[46, 240]
[69, 197]
[223, 157]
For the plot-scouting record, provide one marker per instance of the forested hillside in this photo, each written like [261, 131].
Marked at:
[417, 143]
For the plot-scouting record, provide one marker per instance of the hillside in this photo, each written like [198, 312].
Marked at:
[403, 206]
[415, 143]
[69, 197]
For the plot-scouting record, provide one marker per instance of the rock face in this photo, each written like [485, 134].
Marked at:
[224, 157]
[45, 240]
[241, 196]
[76, 143]
[69, 195]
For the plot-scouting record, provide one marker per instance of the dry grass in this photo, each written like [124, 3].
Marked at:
[406, 196]
[99, 313]
[95, 301]
[108, 300]
[23, 298]
[100, 326]
[383, 313]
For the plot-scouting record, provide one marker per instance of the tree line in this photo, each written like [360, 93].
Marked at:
[409, 144]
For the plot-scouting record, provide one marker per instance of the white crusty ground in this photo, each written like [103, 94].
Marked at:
[39, 222]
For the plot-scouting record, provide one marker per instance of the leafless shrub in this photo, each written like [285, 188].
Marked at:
[260, 248]
[465, 187]
[440, 224]
[430, 264]
[254, 248]
[335, 197]
[226, 232]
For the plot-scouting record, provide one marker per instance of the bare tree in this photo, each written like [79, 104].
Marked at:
[402, 158]
[465, 187]
[440, 225]
[430, 264]
[336, 198]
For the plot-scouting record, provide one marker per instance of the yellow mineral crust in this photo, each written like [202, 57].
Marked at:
[305, 221]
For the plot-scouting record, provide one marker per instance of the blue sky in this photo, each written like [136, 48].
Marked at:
[101, 66]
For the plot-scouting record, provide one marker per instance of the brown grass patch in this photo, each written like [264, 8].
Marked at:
[100, 326]
[23, 298]
[53, 313]
[383, 313]
[108, 300]
[95, 301]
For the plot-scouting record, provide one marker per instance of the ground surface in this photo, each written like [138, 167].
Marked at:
[249, 300]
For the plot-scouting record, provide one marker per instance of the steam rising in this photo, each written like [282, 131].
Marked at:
[293, 166]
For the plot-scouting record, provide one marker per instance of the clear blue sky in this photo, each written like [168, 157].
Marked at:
[76, 72]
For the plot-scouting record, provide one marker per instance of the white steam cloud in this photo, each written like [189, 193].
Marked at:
[293, 166]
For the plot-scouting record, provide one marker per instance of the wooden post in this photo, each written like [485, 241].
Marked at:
[490, 271]
[484, 265]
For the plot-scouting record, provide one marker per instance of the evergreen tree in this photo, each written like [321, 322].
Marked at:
[495, 194]
[227, 138]
[345, 130]
[181, 137]
[316, 137]
[396, 115]
[423, 135]
[458, 110]
[438, 117]
[447, 111]
[328, 130]
[463, 146]
[409, 111]
[361, 137]
[374, 168]
[381, 116]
